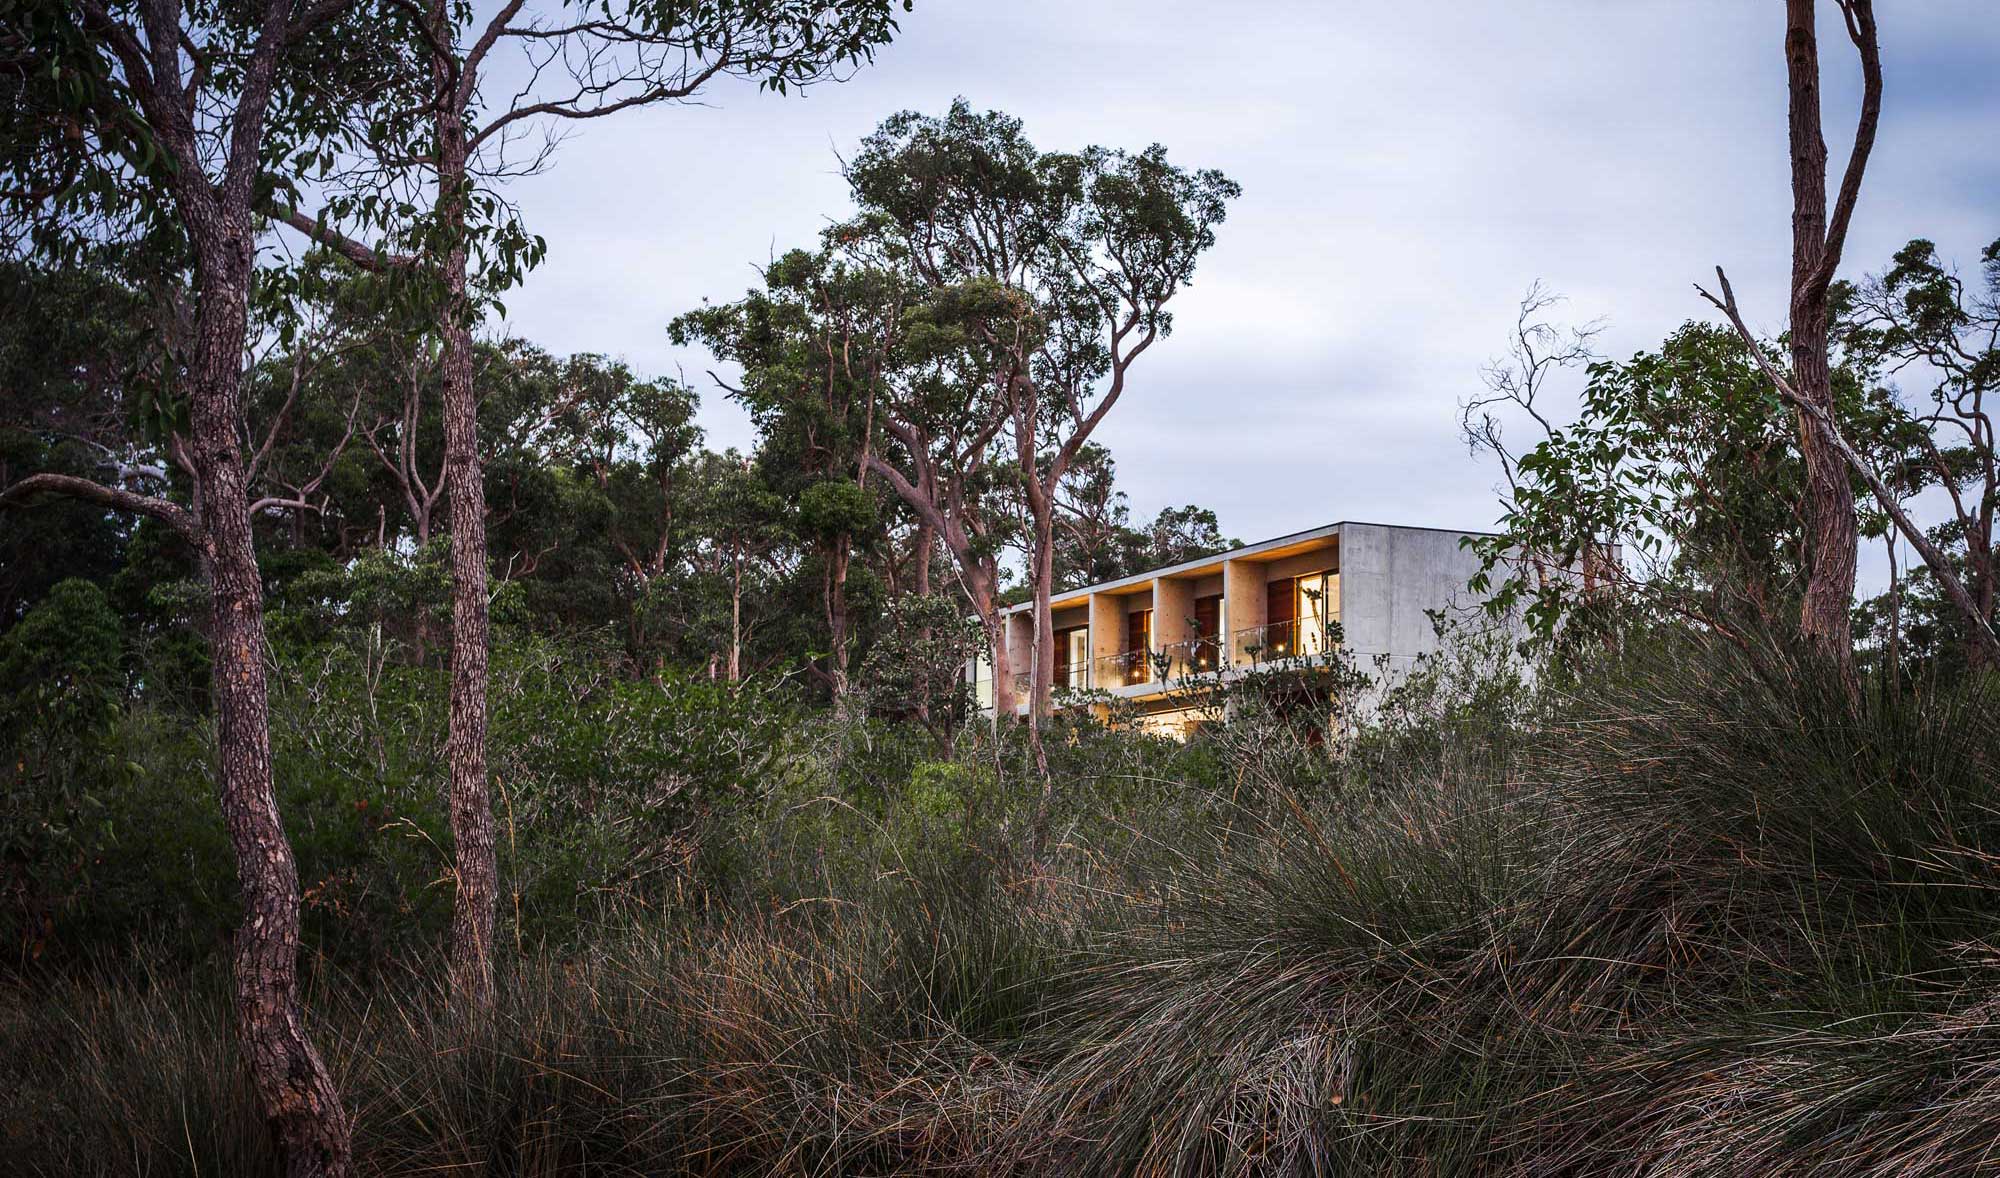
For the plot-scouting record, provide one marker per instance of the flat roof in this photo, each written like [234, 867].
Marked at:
[1261, 547]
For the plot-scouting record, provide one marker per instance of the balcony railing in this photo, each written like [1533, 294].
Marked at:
[1122, 670]
[1197, 655]
[1072, 678]
[1285, 640]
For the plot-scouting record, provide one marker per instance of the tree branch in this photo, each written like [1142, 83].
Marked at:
[1981, 631]
[368, 258]
[1860, 20]
[116, 498]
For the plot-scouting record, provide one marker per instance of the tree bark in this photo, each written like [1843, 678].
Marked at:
[475, 863]
[920, 577]
[838, 557]
[979, 586]
[1832, 541]
[293, 1085]
[736, 614]
[1042, 686]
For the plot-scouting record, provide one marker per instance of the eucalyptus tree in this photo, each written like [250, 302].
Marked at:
[1095, 536]
[163, 121]
[820, 347]
[1058, 267]
[441, 127]
[1818, 239]
[1919, 316]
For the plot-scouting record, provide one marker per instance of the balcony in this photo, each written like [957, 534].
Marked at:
[1285, 640]
[1197, 656]
[1122, 670]
[1074, 678]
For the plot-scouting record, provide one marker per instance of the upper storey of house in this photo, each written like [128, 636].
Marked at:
[1369, 588]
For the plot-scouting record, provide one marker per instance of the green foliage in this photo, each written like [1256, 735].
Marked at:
[916, 668]
[1711, 915]
[1677, 484]
[600, 783]
[61, 668]
[835, 508]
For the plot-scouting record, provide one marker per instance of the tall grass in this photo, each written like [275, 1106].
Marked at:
[1716, 923]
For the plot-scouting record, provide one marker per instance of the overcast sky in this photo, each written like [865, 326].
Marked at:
[1407, 170]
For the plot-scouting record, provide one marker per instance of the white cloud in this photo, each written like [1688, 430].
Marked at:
[1407, 170]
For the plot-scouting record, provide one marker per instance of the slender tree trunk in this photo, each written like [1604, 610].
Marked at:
[736, 615]
[1980, 547]
[293, 1085]
[1042, 686]
[836, 620]
[1825, 618]
[980, 587]
[1894, 662]
[920, 577]
[1041, 683]
[475, 862]
[920, 584]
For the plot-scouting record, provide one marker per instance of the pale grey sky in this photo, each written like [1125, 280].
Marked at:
[1407, 170]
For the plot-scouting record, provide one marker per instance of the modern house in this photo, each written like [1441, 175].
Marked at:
[1145, 637]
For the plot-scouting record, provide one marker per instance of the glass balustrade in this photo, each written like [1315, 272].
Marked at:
[1196, 655]
[1122, 670]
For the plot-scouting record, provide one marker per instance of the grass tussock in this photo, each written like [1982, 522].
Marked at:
[1719, 923]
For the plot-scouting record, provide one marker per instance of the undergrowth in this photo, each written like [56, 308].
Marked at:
[1706, 916]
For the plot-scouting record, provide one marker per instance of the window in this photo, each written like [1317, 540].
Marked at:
[1138, 645]
[1318, 612]
[1300, 613]
[982, 681]
[1281, 612]
[1073, 658]
[1206, 650]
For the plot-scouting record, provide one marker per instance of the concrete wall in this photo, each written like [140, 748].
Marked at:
[1107, 629]
[1389, 578]
[1173, 613]
[1243, 604]
[1300, 565]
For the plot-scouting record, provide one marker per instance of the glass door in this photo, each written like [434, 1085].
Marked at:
[1318, 612]
[1076, 645]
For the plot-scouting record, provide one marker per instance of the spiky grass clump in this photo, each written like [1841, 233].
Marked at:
[866, 1035]
[1725, 922]
[1736, 926]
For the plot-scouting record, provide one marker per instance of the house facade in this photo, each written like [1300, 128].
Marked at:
[1368, 589]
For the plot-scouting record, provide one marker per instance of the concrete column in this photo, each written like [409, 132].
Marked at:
[1242, 607]
[1107, 633]
[1021, 654]
[1173, 618]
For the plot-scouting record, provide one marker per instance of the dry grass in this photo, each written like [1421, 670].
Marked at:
[1724, 928]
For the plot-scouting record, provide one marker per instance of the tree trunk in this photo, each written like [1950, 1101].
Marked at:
[920, 584]
[836, 620]
[736, 615]
[475, 864]
[293, 1086]
[979, 586]
[1825, 618]
[1894, 662]
[1980, 547]
[1042, 686]
[920, 577]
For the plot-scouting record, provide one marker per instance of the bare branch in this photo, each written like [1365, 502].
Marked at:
[1981, 630]
[116, 498]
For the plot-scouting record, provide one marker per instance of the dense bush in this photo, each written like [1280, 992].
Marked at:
[600, 781]
[1704, 918]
